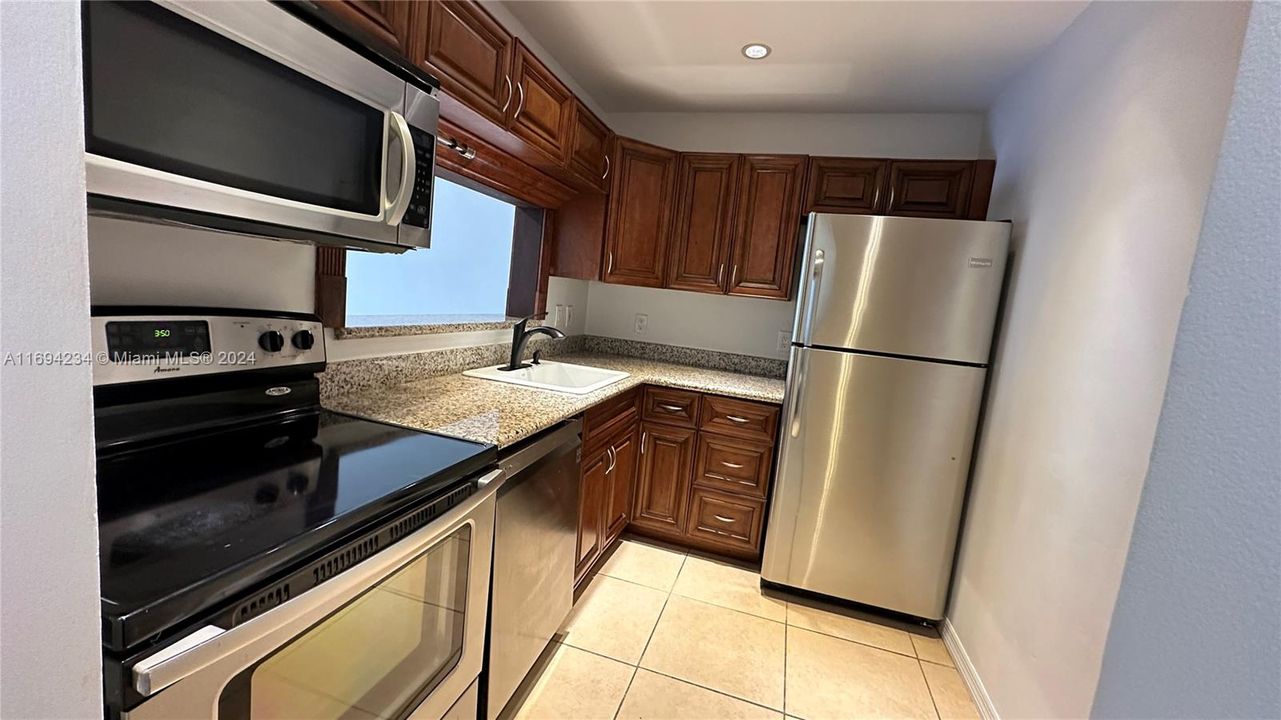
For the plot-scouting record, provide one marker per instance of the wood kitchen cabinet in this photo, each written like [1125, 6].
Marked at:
[662, 485]
[930, 188]
[542, 113]
[589, 147]
[639, 215]
[465, 48]
[386, 22]
[622, 480]
[767, 225]
[700, 237]
[593, 491]
[847, 185]
[610, 450]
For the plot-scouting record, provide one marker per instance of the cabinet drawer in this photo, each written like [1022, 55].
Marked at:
[739, 418]
[602, 419]
[725, 519]
[733, 465]
[674, 407]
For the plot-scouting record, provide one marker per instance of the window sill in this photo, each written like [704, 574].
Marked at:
[398, 325]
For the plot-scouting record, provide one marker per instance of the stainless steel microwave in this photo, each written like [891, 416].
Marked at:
[242, 117]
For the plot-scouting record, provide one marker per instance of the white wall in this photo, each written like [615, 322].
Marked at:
[1196, 632]
[1105, 151]
[50, 637]
[919, 135]
[748, 326]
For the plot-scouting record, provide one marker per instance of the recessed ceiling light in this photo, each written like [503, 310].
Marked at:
[755, 51]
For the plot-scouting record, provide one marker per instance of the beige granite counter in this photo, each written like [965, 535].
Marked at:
[502, 413]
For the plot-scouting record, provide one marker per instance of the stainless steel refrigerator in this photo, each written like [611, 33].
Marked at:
[889, 355]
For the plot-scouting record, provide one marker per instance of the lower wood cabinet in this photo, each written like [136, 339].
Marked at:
[662, 486]
[611, 442]
[622, 476]
[593, 490]
[725, 521]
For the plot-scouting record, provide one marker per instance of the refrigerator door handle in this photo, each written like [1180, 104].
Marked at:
[798, 395]
[816, 278]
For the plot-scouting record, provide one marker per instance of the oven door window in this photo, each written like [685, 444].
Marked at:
[166, 93]
[377, 657]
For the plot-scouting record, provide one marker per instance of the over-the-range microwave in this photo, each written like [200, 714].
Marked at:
[245, 118]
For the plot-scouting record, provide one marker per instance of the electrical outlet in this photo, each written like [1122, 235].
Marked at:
[642, 323]
[558, 317]
[784, 340]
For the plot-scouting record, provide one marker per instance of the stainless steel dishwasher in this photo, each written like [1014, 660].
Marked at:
[535, 531]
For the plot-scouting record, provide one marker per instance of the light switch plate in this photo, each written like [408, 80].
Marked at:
[642, 323]
[784, 339]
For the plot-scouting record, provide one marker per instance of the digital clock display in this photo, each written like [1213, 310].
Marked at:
[147, 339]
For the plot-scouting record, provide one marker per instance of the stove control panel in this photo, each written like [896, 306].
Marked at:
[132, 345]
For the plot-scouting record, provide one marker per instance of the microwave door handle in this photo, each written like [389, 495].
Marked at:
[397, 207]
[210, 644]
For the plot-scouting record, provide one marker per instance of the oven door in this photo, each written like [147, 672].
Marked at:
[245, 118]
[401, 633]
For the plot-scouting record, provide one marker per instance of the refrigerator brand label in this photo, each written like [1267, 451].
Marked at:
[980, 262]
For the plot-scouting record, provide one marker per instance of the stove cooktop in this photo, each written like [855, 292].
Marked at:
[188, 526]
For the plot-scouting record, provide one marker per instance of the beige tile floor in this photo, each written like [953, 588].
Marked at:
[659, 633]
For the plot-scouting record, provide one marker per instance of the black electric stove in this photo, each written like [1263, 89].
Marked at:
[217, 479]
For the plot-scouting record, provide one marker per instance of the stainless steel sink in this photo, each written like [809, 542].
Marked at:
[557, 376]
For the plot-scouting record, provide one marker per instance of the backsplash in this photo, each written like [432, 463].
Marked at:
[369, 373]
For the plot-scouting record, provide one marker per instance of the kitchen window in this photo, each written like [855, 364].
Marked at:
[467, 270]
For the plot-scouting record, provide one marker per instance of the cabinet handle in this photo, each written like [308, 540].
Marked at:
[720, 274]
[507, 79]
[520, 102]
[644, 435]
[724, 519]
[602, 177]
[609, 266]
[671, 408]
[727, 464]
[613, 460]
[736, 419]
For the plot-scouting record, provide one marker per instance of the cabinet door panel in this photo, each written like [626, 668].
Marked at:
[592, 495]
[622, 480]
[543, 110]
[849, 185]
[662, 491]
[640, 209]
[704, 213]
[471, 54]
[589, 147]
[930, 188]
[387, 22]
[767, 227]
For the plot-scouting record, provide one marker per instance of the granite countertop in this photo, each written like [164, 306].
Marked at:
[502, 414]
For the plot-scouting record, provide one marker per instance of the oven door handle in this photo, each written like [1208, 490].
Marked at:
[408, 169]
[211, 644]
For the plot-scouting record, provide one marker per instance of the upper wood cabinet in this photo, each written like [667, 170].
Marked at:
[468, 51]
[930, 188]
[767, 225]
[543, 112]
[640, 209]
[387, 22]
[700, 238]
[849, 185]
[589, 147]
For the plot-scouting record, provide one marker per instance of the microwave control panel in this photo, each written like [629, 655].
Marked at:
[419, 212]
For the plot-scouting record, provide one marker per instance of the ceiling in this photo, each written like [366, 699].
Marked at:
[853, 56]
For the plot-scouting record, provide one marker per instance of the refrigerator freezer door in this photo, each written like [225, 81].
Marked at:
[903, 286]
[874, 458]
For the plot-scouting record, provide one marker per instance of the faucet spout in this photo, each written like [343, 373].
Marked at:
[521, 335]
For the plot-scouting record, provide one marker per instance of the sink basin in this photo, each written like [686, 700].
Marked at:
[557, 376]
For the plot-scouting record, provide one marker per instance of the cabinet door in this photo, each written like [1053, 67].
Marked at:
[387, 22]
[468, 51]
[543, 112]
[662, 491]
[930, 188]
[592, 495]
[706, 183]
[640, 209]
[589, 147]
[767, 227]
[848, 185]
[622, 479]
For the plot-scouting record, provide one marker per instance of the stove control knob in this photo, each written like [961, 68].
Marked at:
[303, 340]
[271, 341]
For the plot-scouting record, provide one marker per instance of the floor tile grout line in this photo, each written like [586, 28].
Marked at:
[786, 629]
[632, 582]
[929, 689]
[712, 689]
[726, 607]
[856, 642]
[623, 699]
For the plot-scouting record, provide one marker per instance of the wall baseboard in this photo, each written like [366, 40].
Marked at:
[982, 701]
